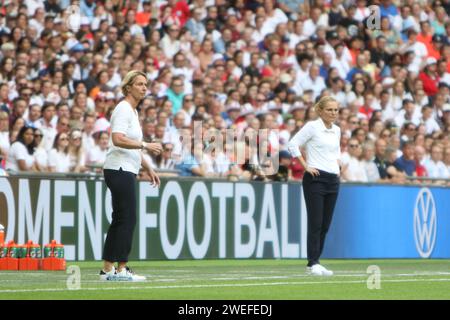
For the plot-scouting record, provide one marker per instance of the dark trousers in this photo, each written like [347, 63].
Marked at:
[122, 185]
[320, 196]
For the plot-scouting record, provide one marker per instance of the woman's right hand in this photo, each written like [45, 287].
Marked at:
[312, 171]
[154, 148]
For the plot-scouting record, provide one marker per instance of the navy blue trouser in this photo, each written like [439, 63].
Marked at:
[122, 185]
[320, 196]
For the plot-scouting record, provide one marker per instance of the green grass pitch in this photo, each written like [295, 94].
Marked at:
[239, 280]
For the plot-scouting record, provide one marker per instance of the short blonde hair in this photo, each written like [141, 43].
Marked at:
[322, 103]
[129, 80]
[3, 115]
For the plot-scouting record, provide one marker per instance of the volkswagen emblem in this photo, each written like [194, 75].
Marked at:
[425, 223]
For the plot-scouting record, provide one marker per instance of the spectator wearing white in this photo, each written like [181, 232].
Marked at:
[431, 124]
[304, 62]
[362, 11]
[58, 156]
[314, 81]
[447, 158]
[337, 90]
[48, 112]
[408, 113]
[40, 154]
[368, 158]
[274, 16]
[356, 95]
[219, 163]
[354, 170]
[180, 68]
[34, 114]
[88, 130]
[434, 165]
[20, 155]
[165, 159]
[418, 48]
[317, 19]
[96, 156]
[297, 35]
[341, 61]
[259, 32]
[387, 112]
[135, 29]
[399, 95]
[4, 134]
[76, 152]
[170, 43]
[187, 109]
[173, 135]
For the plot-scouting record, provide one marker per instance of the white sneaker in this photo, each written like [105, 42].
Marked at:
[315, 270]
[319, 270]
[128, 275]
[105, 276]
[325, 271]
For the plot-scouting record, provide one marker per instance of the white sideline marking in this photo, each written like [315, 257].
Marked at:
[218, 285]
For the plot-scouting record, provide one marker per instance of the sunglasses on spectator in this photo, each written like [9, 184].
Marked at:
[353, 145]
[40, 135]
[168, 149]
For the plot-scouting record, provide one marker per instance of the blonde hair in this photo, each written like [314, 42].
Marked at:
[322, 103]
[129, 80]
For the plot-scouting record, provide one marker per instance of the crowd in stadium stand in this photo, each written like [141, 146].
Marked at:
[241, 65]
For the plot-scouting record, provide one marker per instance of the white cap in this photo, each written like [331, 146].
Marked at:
[272, 105]
[233, 106]
[247, 109]
[431, 60]
[446, 107]
[296, 105]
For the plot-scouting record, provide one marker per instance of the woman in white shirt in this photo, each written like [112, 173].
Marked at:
[76, 152]
[40, 154]
[321, 141]
[20, 155]
[97, 155]
[58, 156]
[4, 134]
[123, 161]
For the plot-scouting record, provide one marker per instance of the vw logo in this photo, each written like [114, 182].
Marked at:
[425, 223]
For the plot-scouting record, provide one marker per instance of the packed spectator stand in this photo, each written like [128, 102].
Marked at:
[237, 68]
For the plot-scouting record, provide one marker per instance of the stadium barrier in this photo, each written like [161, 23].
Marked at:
[190, 218]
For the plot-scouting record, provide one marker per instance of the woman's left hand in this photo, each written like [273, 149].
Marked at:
[154, 179]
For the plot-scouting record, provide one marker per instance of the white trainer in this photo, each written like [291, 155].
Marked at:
[128, 275]
[105, 276]
[325, 271]
[315, 270]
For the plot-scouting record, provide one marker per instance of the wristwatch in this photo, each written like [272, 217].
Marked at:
[143, 145]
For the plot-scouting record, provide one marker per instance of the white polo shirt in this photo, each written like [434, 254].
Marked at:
[124, 119]
[322, 145]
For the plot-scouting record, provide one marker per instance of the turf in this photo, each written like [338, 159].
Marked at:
[239, 279]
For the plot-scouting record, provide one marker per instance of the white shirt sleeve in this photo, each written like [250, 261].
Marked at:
[300, 139]
[120, 119]
[52, 158]
[20, 151]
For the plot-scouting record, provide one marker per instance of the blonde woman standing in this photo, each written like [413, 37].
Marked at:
[320, 139]
[123, 161]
